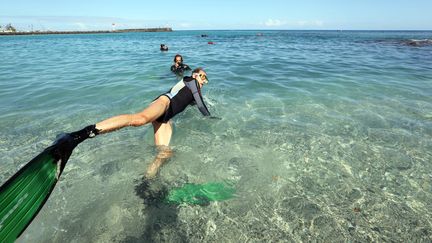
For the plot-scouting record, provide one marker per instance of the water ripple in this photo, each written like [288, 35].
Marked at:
[325, 134]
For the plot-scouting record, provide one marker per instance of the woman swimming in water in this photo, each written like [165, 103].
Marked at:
[159, 113]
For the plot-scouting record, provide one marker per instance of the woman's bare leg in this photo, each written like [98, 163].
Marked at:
[162, 137]
[162, 133]
[149, 114]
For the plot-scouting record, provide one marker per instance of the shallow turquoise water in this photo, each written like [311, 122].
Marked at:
[326, 135]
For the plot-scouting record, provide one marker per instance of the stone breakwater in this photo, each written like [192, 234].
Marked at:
[87, 32]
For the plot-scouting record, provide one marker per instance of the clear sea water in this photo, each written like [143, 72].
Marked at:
[326, 135]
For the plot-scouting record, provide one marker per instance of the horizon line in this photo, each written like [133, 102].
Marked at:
[302, 30]
[253, 29]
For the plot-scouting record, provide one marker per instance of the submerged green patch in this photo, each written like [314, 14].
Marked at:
[200, 194]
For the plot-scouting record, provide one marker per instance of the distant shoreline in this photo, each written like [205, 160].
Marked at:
[86, 32]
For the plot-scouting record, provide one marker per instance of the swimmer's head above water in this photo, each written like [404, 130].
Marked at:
[163, 47]
[200, 75]
[178, 59]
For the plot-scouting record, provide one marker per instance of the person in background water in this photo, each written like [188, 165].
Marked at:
[159, 113]
[179, 67]
[164, 47]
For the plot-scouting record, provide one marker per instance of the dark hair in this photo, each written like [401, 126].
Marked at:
[178, 55]
[197, 70]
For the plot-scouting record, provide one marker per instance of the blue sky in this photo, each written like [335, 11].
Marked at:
[218, 14]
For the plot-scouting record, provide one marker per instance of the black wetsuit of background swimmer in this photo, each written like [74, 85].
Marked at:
[186, 92]
[180, 69]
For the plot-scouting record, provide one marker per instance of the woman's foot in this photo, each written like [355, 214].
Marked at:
[152, 171]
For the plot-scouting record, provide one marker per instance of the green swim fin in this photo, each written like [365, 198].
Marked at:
[200, 194]
[24, 194]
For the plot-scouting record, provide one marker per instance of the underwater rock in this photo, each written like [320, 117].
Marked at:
[418, 43]
[298, 207]
[325, 229]
[109, 168]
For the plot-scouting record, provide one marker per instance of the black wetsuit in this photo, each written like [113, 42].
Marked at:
[184, 93]
[163, 47]
[180, 69]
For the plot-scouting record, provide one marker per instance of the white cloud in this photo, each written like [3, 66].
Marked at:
[81, 26]
[319, 23]
[274, 23]
[293, 24]
[185, 25]
[304, 23]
